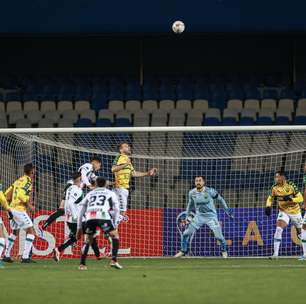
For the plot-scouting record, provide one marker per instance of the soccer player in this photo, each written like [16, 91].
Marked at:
[74, 196]
[201, 200]
[88, 177]
[5, 205]
[123, 170]
[286, 194]
[303, 239]
[101, 210]
[20, 202]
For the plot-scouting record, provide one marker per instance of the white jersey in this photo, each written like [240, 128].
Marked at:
[87, 174]
[73, 198]
[100, 203]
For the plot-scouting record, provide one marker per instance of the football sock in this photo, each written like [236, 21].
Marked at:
[28, 245]
[9, 245]
[95, 247]
[2, 245]
[304, 241]
[115, 249]
[277, 240]
[84, 253]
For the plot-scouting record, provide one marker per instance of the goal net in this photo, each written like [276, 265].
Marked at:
[238, 162]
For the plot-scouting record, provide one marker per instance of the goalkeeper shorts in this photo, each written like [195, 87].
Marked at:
[122, 195]
[296, 219]
[20, 220]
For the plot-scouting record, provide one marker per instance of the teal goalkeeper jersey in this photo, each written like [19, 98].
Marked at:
[202, 202]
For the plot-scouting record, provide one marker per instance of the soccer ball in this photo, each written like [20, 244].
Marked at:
[178, 27]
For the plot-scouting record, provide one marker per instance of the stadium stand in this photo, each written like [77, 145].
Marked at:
[160, 101]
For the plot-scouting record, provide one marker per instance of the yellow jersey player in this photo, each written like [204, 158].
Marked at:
[303, 258]
[19, 195]
[5, 206]
[288, 198]
[123, 170]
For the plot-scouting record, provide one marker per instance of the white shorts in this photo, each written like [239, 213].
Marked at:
[295, 218]
[122, 195]
[20, 220]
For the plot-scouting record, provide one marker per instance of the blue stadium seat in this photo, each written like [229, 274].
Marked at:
[300, 120]
[264, 120]
[201, 91]
[211, 121]
[14, 96]
[116, 94]
[282, 120]
[229, 121]
[184, 89]
[246, 121]
[102, 122]
[218, 100]
[287, 93]
[133, 91]
[99, 101]
[252, 93]
[84, 122]
[167, 92]
[270, 93]
[236, 93]
[123, 122]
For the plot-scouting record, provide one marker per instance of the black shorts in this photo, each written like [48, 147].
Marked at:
[92, 225]
[73, 227]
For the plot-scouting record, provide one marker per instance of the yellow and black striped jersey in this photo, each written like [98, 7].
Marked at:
[287, 196]
[123, 176]
[21, 192]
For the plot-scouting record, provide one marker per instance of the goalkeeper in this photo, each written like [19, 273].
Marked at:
[201, 199]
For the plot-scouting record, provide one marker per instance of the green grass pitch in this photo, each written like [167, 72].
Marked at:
[156, 281]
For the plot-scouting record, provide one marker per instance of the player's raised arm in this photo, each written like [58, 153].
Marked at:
[216, 195]
[151, 172]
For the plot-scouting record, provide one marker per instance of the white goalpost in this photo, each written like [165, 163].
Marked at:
[239, 162]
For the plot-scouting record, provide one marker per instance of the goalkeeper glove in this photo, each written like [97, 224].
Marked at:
[230, 212]
[268, 211]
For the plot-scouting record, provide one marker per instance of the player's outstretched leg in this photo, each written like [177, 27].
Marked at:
[185, 241]
[115, 248]
[59, 212]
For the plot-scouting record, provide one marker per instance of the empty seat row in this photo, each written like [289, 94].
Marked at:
[44, 106]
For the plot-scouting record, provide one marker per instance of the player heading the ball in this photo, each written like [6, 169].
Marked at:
[201, 201]
[123, 170]
[88, 177]
[286, 195]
